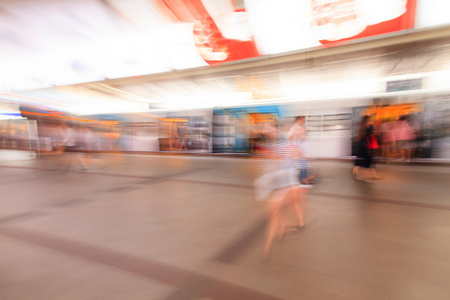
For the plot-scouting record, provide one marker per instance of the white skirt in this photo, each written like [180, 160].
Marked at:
[265, 184]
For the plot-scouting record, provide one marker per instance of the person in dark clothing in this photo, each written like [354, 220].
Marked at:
[366, 144]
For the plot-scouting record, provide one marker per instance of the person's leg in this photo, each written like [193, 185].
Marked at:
[311, 177]
[408, 153]
[402, 149]
[304, 176]
[355, 171]
[298, 201]
[273, 219]
[361, 161]
[387, 150]
[374, 173]
[68, 159]
[304, 173]
[370, 167]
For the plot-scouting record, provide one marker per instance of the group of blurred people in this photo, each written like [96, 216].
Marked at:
[286, 175]
[76, 144]
[393, 138]
[400, 136]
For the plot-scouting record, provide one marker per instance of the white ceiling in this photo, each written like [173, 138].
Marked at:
[47, 46]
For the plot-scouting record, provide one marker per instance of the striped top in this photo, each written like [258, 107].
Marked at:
[280, 155]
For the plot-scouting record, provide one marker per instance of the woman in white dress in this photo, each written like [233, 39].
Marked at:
[280, 188]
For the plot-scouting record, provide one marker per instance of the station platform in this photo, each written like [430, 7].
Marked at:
[169, 227]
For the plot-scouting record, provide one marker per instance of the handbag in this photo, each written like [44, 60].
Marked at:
[372, 142]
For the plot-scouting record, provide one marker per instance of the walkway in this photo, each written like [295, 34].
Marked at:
[182, 227]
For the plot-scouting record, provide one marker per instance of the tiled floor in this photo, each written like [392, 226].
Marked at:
[184, 227]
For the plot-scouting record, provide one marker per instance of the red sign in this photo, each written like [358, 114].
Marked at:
[345, 20]
[211, 43]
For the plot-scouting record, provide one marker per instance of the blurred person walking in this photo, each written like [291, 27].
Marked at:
[182, 133]
[420, 143]
[297, 135]
[406, 138]
[71, 140]
[387, 138]
[367, 143]
[88, 143]
[280, 188]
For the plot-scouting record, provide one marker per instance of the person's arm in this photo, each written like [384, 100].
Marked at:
[290, 133]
